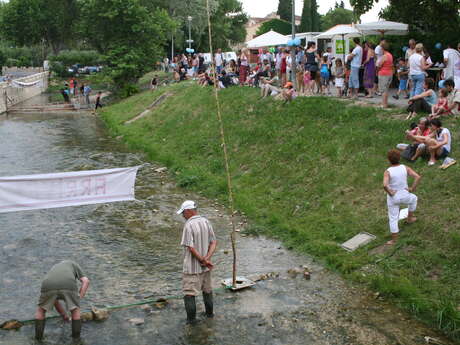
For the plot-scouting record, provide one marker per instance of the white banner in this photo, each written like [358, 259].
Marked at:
[21, 84]
[33, 192]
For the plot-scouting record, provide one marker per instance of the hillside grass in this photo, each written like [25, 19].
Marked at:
[310, 173]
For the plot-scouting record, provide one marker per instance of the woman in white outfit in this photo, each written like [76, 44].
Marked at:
[398, 192]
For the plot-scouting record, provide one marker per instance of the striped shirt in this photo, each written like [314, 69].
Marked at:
[198, 233]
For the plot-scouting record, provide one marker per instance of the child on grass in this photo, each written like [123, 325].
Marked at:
[442, 107]
[339, 76]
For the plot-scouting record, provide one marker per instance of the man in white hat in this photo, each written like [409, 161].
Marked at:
[199, 244]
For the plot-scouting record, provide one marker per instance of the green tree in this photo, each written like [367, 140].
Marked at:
[285, 10]
[50, 22]
[362, 6]
[131, 36]
[278, 25]
[310, 21]
[306, 22]
[336, 16]
[228, 26]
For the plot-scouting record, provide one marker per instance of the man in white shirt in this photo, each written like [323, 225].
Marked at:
[219, 59]
[452, 63]
[453, 98]
[356, 58]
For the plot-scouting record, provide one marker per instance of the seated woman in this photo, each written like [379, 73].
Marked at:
[439, 142]
[424, 101]
[270, 86]
[398, 192]
[418, 148]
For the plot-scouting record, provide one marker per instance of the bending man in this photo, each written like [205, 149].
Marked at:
[199, 244]
[60, 283]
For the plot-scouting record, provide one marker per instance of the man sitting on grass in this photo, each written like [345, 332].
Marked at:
[270, 86]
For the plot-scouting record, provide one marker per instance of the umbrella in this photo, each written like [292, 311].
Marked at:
[268, 39]
[346, 31]
[383, 27]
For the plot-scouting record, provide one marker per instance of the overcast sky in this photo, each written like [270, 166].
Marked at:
[260, 8]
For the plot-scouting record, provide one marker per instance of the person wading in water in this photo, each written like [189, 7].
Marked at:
[199, 244]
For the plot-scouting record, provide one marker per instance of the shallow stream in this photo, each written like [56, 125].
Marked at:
[130, 251]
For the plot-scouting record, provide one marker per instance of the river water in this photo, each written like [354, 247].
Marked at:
[130, 251]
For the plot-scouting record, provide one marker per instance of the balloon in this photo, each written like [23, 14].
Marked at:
[297, 42]
[441, 84]
[438, 45]
[405, 49]
[290, 43]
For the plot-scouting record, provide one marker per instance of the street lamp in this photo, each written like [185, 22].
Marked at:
[189, 41]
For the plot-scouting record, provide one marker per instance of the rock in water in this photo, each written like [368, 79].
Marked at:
[99, 314]
[11, 324]
[137, 321]
[88, 316]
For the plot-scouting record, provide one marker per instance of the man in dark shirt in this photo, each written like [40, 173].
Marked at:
[60, 283]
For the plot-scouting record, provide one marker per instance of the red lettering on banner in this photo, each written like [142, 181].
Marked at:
[86, 186]
[71, 189]
[100, 185]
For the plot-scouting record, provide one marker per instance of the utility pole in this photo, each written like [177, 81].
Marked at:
[190, 41]
[172, 47]
[293, 49]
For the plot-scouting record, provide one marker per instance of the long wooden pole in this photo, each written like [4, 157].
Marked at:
[224, 148]
[293, 49]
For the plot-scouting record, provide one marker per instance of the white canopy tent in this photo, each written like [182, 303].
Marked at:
[346, 31]
[384, 27]
[268, 39]
[340, 35]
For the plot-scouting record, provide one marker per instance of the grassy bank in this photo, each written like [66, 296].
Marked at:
[310, 174]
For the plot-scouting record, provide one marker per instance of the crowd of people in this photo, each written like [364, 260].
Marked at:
[72, 88]
[368, 68]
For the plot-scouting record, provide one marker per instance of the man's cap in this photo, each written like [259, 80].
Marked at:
[187, 205]
[288, 84]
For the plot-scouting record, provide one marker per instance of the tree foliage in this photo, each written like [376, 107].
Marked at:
[311, 20]
[29, 22]
[362, 6]
[285, 10]
[131, 36]
[278, 25]
[338, 15]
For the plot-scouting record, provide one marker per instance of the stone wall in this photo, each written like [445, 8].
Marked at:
[12, 93]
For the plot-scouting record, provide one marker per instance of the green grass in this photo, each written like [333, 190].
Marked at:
[310, 173]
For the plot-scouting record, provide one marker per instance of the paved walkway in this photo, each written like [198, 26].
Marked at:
[377, 100]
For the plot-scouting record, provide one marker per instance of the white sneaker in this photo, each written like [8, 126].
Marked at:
[430, 163]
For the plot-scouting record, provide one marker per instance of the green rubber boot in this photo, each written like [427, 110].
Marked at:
[76, 329]
[190, 308]
[208, 304]
[39, 329]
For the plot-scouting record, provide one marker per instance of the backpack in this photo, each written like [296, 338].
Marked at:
[325, 71]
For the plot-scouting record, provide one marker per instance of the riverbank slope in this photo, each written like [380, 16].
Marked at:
[310, 173]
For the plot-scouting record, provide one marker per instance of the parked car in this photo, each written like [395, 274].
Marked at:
[74, 69]
[89, 69]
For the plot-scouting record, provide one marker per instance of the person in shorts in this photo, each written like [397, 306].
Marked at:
[403, 76]
[385, 65]
[199, 242]
[60, 284]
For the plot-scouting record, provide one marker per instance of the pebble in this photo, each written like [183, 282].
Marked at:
[161, 170]
[136, 321]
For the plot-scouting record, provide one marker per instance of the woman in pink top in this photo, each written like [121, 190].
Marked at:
[385, 65]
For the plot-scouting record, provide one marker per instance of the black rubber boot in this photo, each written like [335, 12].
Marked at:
[39, 329]
[208, 304]
[190, 308]
[76, 329]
